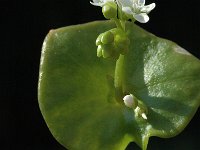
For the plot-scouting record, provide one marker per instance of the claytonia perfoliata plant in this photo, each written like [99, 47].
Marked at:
[115, 43]
[136, 92]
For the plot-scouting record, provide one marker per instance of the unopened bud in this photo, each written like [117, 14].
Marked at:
[141, 110]
[107, 37]
[98, 40]
[99, 51]
[110, 10]
[107, 50]
[122, 44]
[130, 101]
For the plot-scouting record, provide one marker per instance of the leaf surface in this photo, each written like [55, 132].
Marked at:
[76, 93]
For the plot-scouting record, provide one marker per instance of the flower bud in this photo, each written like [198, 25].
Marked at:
[99, 51]
[112, 43]
[122, 44]
[107, 37]
[130, 101]
[141, 110]
[107, 50]
[98, 40]
[110, 10]
[121, 41]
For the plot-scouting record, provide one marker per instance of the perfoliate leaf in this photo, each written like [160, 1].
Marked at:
[76, 89]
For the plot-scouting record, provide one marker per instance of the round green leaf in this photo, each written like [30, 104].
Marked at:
[77, 95]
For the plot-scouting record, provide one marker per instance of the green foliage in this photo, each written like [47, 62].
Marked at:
[77, 94]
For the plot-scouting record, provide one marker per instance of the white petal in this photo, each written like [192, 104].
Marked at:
[141, 2]
[137, 110]
[127, 10]
[97, 4]
[135, 7]
[100, 2]
[135, 1]
[128, 100]
[125, 3]
[142, 18]
[97, 1]
[144, 116]
[108, 1]
[148, 8]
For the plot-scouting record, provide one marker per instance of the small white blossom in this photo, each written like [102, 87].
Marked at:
[140, 112]
[144, 116]
[100, 2]
[129, 100]
[136, 9]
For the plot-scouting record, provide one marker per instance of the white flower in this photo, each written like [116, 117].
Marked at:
[100, 2]
[140, 112]
[129, 101]
[136, 9]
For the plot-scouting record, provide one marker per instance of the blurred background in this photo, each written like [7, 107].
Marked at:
[24, 25]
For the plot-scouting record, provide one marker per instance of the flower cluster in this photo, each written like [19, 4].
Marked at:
[132, 9]
[112, 43]
[115, 43]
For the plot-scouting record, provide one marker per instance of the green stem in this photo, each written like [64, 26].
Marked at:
[122, 22]
[118, 23]
[119, 71]
[118, 80]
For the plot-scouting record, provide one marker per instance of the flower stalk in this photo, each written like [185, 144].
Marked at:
[115, 42]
